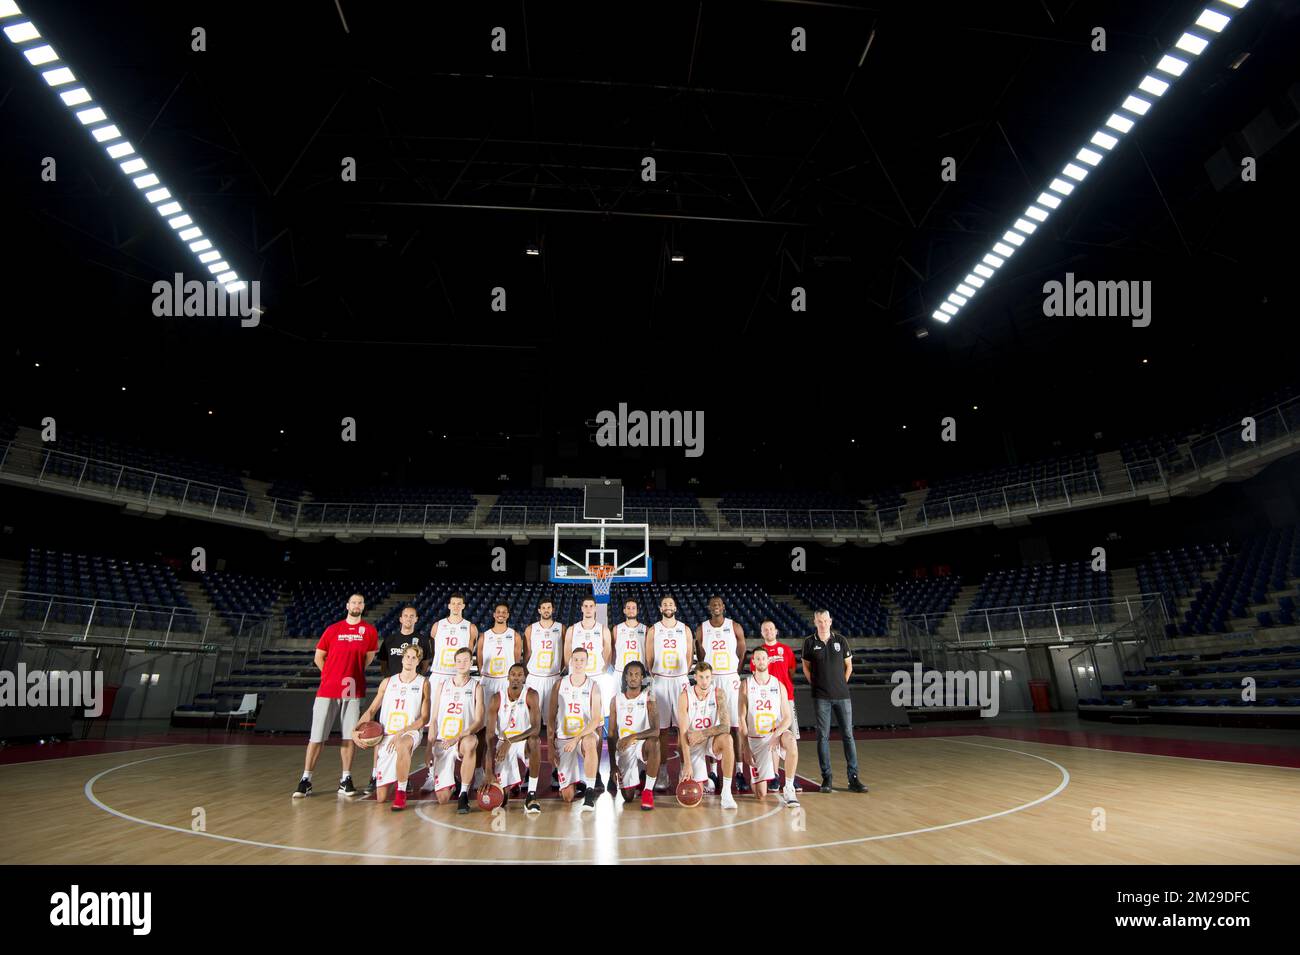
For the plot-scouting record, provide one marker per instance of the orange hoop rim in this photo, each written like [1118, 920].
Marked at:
[601, 571]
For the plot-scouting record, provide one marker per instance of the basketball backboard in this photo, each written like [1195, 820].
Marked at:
[578, 547]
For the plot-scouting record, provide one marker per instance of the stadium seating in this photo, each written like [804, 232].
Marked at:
[1264, 566]
[926, 597]
[237, 597]
[1038, 585]
[857, 610]
[543, 506]
[165, 476]
[993, 490]
[142, 594]
[317, 604]
[387, 505]
[793, 510]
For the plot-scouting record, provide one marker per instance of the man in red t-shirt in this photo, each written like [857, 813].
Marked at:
[780, 661]
[344, 651]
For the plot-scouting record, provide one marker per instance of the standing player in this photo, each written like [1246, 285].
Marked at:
[514, 723]
[766, 713]
[392, 653]
[403, 702]
[498, 650]
[458, 712]
[634, 713]
[668, 655]
[450, 634]
[573, 729]
[344, 651]
[627, 645]
[592, 637]
[720, 642]
[780, 660]
[544, 651]
[705, 731]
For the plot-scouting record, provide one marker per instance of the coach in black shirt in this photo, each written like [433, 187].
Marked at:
[392, 647]
[827, 665]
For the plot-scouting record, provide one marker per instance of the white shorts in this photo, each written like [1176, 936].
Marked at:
[699, 769]
[762, 768]
[608, 689]
[326, 710]
[492, 686]
[545, 687]
[506, 770]
[436, 680]
[442, 763]
[386, 759]
[568, 766]
[730, 683]
[629, 768]
[668, 689]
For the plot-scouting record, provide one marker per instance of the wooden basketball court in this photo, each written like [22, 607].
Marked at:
[934, 799]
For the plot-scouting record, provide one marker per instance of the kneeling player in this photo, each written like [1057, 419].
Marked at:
[573, 730]
[706, 731]
[458, 710]
[635, 714]
[403, 702]
[513, 730]
[766, 716]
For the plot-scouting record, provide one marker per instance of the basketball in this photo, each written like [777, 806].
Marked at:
[490, 797]
[689, 793]
[367, 735]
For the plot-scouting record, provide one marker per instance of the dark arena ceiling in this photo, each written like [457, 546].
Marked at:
[775, 169]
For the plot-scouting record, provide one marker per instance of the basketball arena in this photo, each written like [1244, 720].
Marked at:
[759, 433]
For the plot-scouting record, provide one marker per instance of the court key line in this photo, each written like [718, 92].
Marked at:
[90, 795]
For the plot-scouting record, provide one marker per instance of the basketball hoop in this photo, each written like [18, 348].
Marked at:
[602, 578]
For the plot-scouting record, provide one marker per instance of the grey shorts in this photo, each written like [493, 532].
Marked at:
[326, 710]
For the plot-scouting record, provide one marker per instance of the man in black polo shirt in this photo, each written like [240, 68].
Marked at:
[393, 646]
[827, 665]
[389, 656]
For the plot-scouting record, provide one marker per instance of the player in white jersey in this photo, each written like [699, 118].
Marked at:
[449, 635]
[573, 730]
[627, 641]
[457, 717]
[514, 734]
[403, 703]
[626, 645]
[544, 651]
[721, 642]
[704, 731]
[592, 637]
[633, 712]
[498, 650]
[765, 712]
[668, 655]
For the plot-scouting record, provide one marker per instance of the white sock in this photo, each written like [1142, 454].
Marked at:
[727, 784]
[532, 785]
[590, 781]
[346, 775]
[649, 785]
[401, 787]
[307, 776]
